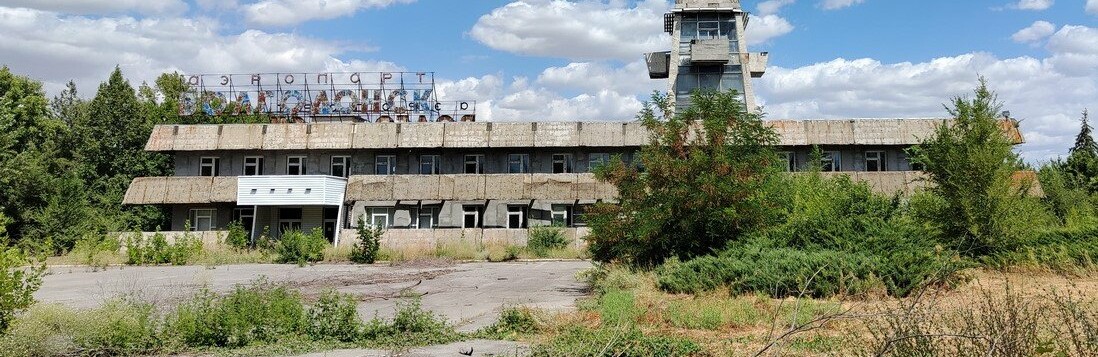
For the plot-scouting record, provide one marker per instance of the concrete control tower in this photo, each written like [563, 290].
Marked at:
[708, 50]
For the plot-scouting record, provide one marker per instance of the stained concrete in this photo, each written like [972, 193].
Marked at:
[469, 295]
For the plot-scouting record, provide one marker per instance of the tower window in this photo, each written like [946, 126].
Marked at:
[708, 29]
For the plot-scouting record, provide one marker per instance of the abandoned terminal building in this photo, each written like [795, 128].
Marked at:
[377, 147]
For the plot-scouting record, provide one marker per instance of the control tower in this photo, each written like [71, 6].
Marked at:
[708, 51]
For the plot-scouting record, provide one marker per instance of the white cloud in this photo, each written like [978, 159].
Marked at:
[1092, 7]
[765, 28]
[544, 105]
[1033, 4]
[56, 48]
[100, 7]
[771, 7]
[1036, 32]
[290, 12]
[1047, 94]
[579, 30]
[592, 77]
[838, 4]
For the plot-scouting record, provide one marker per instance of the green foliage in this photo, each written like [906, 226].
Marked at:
[300, 248]
[334, 316]
[17, 284]
[971, 164]
[92, 248]
[544, 239]
[237, 237]
[697, 192]
[365, 251]
[156, 249]
[1064, 250]
[119, 328]
[259, 313]
[513, 322]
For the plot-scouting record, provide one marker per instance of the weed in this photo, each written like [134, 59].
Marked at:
[544, 239]
[299, 248]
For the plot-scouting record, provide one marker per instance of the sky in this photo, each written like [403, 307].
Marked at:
[558, 60]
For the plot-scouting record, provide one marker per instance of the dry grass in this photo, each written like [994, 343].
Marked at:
[726, 325]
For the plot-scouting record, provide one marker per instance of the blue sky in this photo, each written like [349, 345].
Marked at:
[581, 59]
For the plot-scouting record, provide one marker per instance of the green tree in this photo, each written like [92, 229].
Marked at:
[1081, 167]
[17, 283]
[113, 136]
[971, 164]
[369, 243]
[707, 172]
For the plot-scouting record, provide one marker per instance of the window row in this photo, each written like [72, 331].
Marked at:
[387, 164]
[831, 161]
[472, 216]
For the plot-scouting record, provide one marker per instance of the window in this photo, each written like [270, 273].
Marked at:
[427, 218]
[245, 216]
[708, 29]
[874, 161]
[516, 217]
[289, 219]
[562, 163]
[518, 163]
[428, 164]
[914, 165]
[378, 217]
[597, 159]
[341, 166]
[210, 166]
[474, 164]
[578, 218]
[790, 161]
[203, 220]
[295, 165]
[385, 165]
[562, 215]
[253, 165]
[830, 161]
[470, 216]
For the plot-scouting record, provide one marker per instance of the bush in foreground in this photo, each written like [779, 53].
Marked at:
[365, 251]
[300, 248]
[261, 314]
[17, 284]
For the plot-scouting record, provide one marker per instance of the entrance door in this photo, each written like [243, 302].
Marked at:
[331, 215]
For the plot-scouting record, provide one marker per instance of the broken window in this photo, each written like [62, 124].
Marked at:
[203, 220]
[516, 217]
[209, 166]
[295, 165]
[518, 163]
[470, 216]
[341, 166]
[253, 165]
[562, 163]
[378, 217]
[428, 165]
[597, 159]
[385, 165]
[830, 161]
[562, 215]
[474, 164]
[289, 219]
[790, 161]
[874, 161]
[427, 218]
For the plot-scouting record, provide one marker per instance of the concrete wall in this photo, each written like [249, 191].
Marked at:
[429, 238]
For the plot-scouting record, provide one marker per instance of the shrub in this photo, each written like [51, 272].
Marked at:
[334, 316]
[120, 327]
[369, 243]
[183, 251]
[259, 313]
[546, 238]
[237, 237]
[157, 250]
[91, 249]
[696, 192]
[17, 284]
[513, 321]
[299, 248]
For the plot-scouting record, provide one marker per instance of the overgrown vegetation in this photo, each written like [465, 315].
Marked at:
[300, 248]
[366, 249]
[711, 198]
[542, 240]
[253, 315]
[156, 249]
